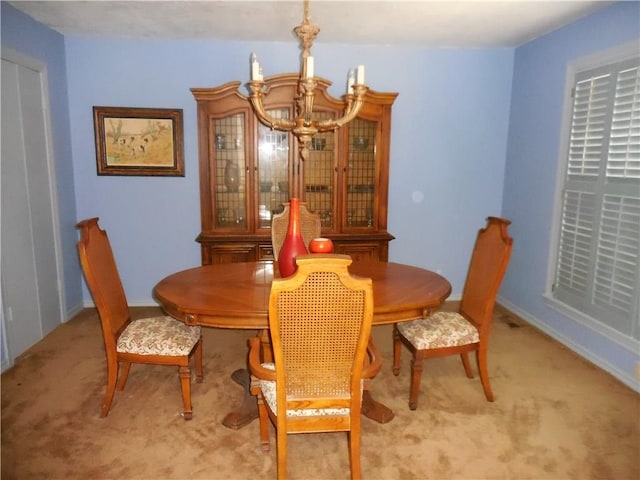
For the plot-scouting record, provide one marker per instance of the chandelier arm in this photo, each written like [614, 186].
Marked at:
[333, 124]
[283, 124]
[351, 114]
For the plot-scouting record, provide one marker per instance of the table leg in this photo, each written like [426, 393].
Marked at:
[248, 410]
[375, 410]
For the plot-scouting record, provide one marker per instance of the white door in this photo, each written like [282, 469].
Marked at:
[32, 293]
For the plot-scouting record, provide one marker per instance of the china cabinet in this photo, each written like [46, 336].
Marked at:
[247, 170]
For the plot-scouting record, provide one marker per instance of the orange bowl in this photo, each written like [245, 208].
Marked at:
[321, 245]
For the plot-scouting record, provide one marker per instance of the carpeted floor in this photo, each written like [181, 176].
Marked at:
[556, 416]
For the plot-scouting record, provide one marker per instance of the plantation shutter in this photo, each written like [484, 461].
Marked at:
[598, 263]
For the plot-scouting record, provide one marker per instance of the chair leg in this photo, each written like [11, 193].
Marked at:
[126, 366]
[198, 361]
[281, 448]
[185, 386]
[466, 364]
[397, 350]
[264, 424]
[112, 377]
[481, 357]
[354, 452]
[416, 376]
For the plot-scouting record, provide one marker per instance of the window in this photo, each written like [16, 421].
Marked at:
[597, 267]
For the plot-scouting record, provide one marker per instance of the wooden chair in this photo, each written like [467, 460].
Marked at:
[320, 324]
[453, 333]
[158, 340]
[310, 227]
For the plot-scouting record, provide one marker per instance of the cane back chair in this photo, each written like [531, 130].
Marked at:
[320, 324]
[159, 340]
[458, 333]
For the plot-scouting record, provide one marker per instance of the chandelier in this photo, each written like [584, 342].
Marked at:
[303, 126]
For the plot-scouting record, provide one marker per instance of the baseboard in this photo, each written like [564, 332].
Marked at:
[6, 364]
[73, 311]
[604, 364]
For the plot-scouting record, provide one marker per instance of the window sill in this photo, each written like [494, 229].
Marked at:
[592, 324]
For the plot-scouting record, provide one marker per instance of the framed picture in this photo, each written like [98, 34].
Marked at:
[139, 141]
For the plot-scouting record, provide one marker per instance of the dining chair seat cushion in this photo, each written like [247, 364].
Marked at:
[442, 329]
[158, 336]
[268, 388]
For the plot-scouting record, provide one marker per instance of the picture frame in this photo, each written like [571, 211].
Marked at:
[139, 141]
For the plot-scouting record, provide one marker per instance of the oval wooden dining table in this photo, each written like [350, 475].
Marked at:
[236, 295]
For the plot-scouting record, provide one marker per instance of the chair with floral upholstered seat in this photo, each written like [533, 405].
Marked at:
[458, 333]
[320, 323]
[159, 340]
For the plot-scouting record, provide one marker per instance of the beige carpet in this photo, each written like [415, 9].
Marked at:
[556, 416]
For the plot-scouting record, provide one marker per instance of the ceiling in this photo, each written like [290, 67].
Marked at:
[435, 23]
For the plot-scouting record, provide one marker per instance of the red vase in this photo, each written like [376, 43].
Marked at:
[293, 244]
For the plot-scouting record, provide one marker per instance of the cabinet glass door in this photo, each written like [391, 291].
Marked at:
[273, 170]
[319, 173]
[230, 167]
[361, 175]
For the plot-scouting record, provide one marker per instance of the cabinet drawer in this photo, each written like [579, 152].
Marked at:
[360, 251]
[231, 253]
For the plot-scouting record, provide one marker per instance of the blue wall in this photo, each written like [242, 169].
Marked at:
[475, 133]
[449, 139]
[540, 71]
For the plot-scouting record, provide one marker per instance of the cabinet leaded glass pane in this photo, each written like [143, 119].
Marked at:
[319, 173]
[230, 200]
[273, 172]
[361, 174]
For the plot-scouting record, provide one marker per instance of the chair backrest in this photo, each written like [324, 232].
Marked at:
[102, 277]
[320, 323]
[488, 265]
[310, 227]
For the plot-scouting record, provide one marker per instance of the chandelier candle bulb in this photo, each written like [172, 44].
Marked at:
[255, 68]
[360, 75]
[350, 81]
